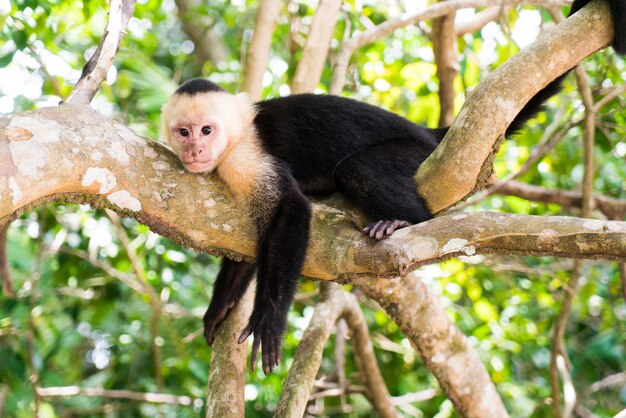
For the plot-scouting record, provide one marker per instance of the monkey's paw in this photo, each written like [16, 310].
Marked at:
[213, 318]
[381, 228]
[267, 336]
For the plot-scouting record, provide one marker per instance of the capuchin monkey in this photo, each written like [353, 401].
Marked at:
[274, 152]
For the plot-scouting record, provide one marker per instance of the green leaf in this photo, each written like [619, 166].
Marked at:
[20, 38]
[6, 59]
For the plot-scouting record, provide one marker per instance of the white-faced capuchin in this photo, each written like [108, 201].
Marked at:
[274, 152]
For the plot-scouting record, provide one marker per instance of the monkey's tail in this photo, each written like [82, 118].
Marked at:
[535, 105]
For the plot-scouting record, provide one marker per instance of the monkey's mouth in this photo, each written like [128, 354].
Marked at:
[198, 166]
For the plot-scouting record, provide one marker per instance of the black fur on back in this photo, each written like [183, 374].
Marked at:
[314, 133]
[197, 85]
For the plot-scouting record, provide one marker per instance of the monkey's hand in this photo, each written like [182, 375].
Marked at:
[267, 328]
[381, 228]
[213, 318]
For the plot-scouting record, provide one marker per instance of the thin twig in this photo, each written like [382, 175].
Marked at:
[616, 379]
[622, 275]
[155, 303]
[341, 332]
[163, 398]
[199, 27]
[390, 25]
[5, 271]
[612, 208]
[480, 20]
[615, 93]
[31, 286]
[97, 68]
[53, 81]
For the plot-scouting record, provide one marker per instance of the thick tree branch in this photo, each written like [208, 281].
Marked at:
[227, 376]
[73, 153]
[96, 69]
[443, 348]
[463, 160]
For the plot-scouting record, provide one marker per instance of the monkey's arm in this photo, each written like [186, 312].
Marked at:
[232, 281]
[283, 233]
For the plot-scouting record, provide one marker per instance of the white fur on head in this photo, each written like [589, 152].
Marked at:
[234, 112]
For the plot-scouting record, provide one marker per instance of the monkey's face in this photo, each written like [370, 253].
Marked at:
[199, 143]
[203, 127]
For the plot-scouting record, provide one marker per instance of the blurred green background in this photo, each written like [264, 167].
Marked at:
[83, 314]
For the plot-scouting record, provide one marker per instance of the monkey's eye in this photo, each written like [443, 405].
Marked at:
[184, 132]
[206, 130]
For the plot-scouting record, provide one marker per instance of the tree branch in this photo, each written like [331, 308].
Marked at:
[612, 208]
[40, 161]
[386, 28]
[309, 70]
[443, 348]
[258, 53]
[198, 26]
[480, 20]
[447, 60]
[96, 69]
[227, 376]
[165, 398]
[5, 272]
[297, 387]
[463, 161]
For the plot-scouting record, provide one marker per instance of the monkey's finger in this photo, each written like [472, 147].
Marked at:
[380, 231]
[208, 336]
[274, 351]
[374, 229]
[245, 334]
[254, 352]
[277, 345]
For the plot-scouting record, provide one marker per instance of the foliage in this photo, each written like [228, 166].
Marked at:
[91, 329]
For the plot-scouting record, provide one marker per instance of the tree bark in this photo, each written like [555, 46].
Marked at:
[463, 161]
[227, 376]
[259, 49]
[71, 153]
[447, 60]
[443, 348]
[309, 70]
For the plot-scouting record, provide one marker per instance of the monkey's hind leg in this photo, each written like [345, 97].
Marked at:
[380, 180]
[232, 281]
